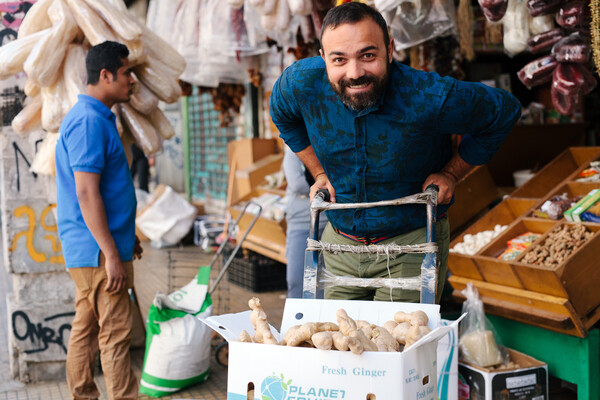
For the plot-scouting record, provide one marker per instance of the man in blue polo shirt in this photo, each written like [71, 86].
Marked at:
[370, 128]
[96, 222]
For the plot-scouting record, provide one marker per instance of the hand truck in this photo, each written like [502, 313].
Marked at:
[316, 276]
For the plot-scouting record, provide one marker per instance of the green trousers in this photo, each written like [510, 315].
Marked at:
[369, 266]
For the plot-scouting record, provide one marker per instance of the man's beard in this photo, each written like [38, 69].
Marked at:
[365, 100]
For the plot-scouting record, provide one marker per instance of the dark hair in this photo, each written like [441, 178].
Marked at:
[351, 13]
[107, 55]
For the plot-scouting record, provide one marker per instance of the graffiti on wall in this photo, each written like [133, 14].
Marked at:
[39, 336]
[29, 234]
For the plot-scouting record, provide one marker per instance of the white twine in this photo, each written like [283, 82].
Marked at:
[327, 279]
[378, 249]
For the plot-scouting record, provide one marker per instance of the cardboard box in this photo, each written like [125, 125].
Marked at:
[247, 179]
[267, 237]
[573, 214]
[447, 363]
[249, 150]
[294, 373]
[529, 382]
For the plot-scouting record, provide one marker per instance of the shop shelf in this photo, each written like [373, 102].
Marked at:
[499, 271]
[571, 189]
[505, 213]
[576, 278]
[559, 169]
[564, 298]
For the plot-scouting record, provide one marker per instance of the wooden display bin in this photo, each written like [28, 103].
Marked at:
[267, 236]
[571, 189]
[473, 193]
[499, 271]
[565, 297]
[505, 213]
[565, 164]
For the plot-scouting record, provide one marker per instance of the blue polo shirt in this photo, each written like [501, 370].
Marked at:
[387, 151]
[88, 141]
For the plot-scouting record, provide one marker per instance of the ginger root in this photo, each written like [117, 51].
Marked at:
[415, 333]
[298, 334]
[322, 340]
[400, 331]
[327, 327]
[411, 327]
[348, 327]
[245, 337]
[390, 326]
[366, 327]
[384, 340]
[345, 343]
[415, 317]
[258, 318]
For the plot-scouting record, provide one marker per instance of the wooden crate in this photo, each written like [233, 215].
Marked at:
[505, 213]
[565, 164]
[473, 193]
[502, 272]
[564, 298]
[267, 237]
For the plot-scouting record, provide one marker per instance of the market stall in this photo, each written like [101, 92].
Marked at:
[530, 249]
[541, 51]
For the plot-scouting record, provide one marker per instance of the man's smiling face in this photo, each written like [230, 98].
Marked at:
[357, 61]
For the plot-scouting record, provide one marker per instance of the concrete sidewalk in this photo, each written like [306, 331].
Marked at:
[159, 270]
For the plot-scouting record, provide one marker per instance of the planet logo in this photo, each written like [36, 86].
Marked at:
[274, 387]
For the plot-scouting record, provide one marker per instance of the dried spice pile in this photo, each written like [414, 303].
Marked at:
[558, 246]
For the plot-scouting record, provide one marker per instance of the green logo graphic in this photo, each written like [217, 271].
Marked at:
[274, 387]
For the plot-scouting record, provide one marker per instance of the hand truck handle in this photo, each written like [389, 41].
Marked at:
[323, 194]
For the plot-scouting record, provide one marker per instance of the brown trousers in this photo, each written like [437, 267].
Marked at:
[102, 321]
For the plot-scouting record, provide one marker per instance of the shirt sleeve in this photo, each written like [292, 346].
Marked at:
[86, 146]
[294, 174]
[286, 113]
[483, 115]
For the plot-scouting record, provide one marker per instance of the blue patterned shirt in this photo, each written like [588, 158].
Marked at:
[387, 151]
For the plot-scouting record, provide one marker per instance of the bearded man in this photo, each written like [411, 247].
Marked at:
[370, 128]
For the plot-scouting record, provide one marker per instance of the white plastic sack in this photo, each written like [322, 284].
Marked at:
[168, 218]
[417, 21]
[178, 343]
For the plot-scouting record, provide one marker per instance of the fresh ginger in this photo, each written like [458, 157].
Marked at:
[327, 327]
[384, 340]
[258, 318]
[400, 331]
[245, 337]
[415, 317]
[390, 325]
[323, 340]
[347, 335]
[298, 334]
[415, 333]
[345, 343]
[348, 327]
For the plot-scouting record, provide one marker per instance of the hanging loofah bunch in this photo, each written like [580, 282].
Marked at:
[465, 20]
[595, 31]
[51, 47]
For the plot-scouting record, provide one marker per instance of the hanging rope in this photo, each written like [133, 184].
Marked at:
[595, 31]
[465, 21]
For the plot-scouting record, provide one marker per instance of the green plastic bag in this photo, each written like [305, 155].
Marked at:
[177, 342]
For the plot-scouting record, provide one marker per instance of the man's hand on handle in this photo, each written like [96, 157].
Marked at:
[322, 182]
[445, 183]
